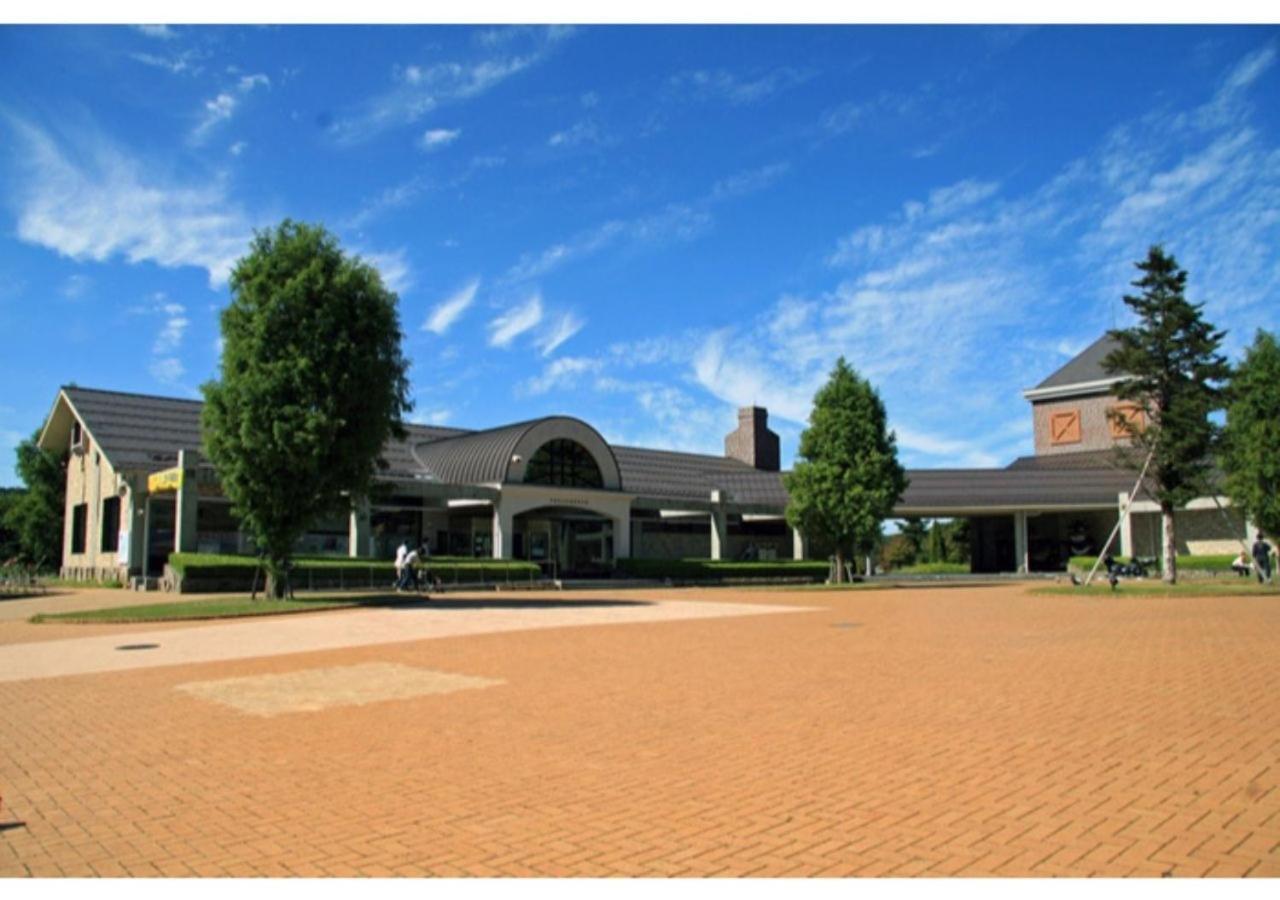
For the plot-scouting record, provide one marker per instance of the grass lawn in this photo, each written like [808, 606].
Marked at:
[219, 608]
[1156, 588]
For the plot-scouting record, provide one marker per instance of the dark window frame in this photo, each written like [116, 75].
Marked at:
[79, 526]
[110, 527]
[562, 462]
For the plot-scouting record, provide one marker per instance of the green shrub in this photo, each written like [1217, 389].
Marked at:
[934, 568]
[1212, 562]
[719, 570]
[329, 570]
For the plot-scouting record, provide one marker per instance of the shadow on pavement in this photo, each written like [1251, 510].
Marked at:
[446, 603]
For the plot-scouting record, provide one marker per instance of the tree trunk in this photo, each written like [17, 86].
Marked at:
[1170, 546]
[839, 566]
[275, 580]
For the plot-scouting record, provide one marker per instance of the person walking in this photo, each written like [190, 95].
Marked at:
[410, 576]
[401, 552]
[1262, 559]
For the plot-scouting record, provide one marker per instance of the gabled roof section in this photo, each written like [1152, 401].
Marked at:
[476, 457]
[141, 432]
[692, 476]
[498, 455]
[1084, 371]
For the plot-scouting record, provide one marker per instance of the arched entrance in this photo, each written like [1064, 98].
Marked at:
[567, 542]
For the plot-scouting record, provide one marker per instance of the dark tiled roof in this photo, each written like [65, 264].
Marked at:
[140, 432]
[1085, 459]
[939, 490]
[475, 457]
[1085, 367]
[689, 476]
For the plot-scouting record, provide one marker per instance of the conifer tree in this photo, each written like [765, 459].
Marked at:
[1251, 438]
[847, 478]
[1173, 374]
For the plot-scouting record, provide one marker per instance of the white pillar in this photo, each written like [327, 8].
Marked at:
[799, 550]
[719, 533]
[359, 534]
[621, 536]
[503, 530]
[134, 519]
[1020, 556]
[1126, 527]
[186, 505]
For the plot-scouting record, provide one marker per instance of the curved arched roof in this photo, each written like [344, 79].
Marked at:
[488, 457]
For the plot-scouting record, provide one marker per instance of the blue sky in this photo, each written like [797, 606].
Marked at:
[644, 227]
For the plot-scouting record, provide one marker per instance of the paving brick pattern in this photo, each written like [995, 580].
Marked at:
[975, 731]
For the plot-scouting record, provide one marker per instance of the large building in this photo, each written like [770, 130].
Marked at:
[553, 491]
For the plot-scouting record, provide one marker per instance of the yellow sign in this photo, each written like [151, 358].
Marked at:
[165, 480]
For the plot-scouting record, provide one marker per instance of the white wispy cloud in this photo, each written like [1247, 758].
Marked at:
[584, 132]
[165, 365]
[395, 197]
[160, 32]
[168, 370]
[185, 62]
[95, 202]
[739, 90]
[435, 138]
[515, 321]
[76, 286]
[565, 326]
[948, 303]
[431, 417]
[677, 222]
[222, 107]
[563, 372]
[238, 148]
[169, 339]
[451, 309]
[394, 267]
[749, 182]
[418, 89]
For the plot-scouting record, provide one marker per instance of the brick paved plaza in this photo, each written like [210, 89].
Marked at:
[961, 731]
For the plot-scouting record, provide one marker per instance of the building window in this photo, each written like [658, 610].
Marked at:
[563, 463]
[1064, 427]
[111, 525]
[1125, 418]
[79, 522]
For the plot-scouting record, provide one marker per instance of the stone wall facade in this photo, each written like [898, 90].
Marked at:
[91, 483]
[1093, 429]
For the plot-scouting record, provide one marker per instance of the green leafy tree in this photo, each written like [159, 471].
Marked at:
[846, 479]
[35, 517]
[916, 533]
[937, 551]
[313, 383]
[1174, 375]
[9, 546]
[956, 538]
[897, 552]
[1251, 438]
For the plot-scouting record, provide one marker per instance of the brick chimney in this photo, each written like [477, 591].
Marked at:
[753, 443]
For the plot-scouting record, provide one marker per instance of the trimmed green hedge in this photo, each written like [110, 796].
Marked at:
[719, 570]
[934, 568]
[1213, 562]
[336, 570]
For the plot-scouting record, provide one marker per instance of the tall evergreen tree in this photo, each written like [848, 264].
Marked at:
[847, 478]
[1174, 375]
[313, 383]
[1251, 445]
